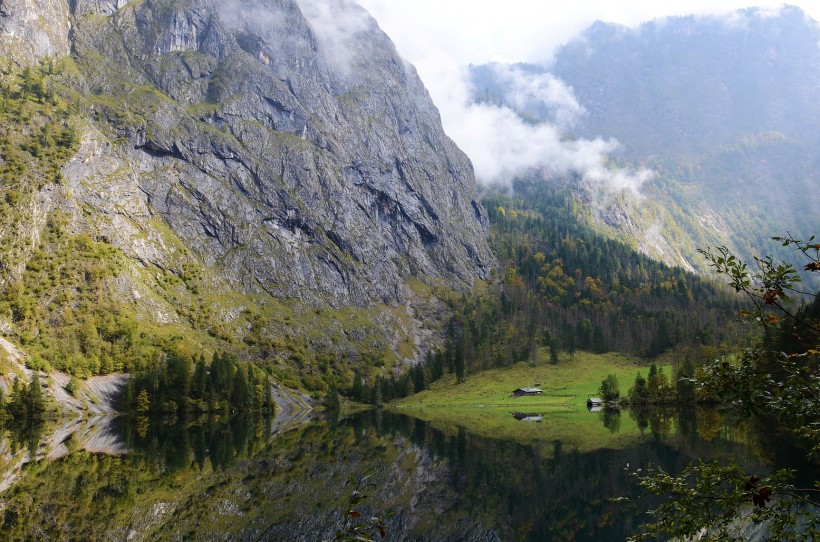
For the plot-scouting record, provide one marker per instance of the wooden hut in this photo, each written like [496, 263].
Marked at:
[526, 391]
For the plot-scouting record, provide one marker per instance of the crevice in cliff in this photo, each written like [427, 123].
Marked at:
[156, 150]
[341, 244]
[392, 211]
[249, 43]
[477, 210]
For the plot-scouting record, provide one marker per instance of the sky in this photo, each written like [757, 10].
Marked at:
[478, 31]
[442, 37]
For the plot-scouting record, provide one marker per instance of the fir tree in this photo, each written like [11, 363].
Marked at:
[35, 402]
[269, 405]
[241, 398]
[553, 352]
[638, 392]
[199, 381]
[332, 400]
[418, 378]
[458, 361]
[143, 402]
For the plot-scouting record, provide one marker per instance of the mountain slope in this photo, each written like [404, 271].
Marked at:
[722, 108]
[241, 175]
[694, 84]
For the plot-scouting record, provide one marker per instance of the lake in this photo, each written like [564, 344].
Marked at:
[531, 476]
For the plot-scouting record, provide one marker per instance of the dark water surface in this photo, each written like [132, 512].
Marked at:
[232, 479]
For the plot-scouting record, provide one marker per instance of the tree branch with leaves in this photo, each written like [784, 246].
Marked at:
[780, 378]
[356, 527]
[772, 287]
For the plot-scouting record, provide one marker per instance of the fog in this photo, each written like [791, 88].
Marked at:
[336, 25]
[503, 146]
[441, 38]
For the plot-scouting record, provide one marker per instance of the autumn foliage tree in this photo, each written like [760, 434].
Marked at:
[778, 379]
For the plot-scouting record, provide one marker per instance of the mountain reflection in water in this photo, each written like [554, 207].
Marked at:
[230, 478]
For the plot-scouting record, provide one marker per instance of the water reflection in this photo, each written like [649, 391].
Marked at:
[611, 418]
[230, 478]
[177, 443]
[524, 417]
[24, 438]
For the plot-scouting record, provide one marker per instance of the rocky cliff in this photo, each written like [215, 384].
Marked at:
[297, 162]
[279, 149]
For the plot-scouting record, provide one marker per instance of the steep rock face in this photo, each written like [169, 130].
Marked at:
[292, 155]
[31, 29]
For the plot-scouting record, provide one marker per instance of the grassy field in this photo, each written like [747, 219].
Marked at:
[568, 383]
[483, 406]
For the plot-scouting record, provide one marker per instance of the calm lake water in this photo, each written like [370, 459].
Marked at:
[538, 476]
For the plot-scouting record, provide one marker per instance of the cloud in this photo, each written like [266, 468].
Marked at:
[479, 31]
[337, 25]
[502, 146]
[539, 94]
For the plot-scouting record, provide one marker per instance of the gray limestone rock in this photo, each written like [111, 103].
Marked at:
[32, 29]
[286, 144]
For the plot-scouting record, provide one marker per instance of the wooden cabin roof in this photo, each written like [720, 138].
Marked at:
[529, 390]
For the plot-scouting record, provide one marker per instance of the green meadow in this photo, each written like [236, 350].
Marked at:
[483, 404]
[567, 383]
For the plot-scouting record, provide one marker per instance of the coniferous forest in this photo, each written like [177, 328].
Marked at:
[561, 286]
[174, 383]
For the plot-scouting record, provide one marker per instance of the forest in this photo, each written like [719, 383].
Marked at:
[563, 286]
[174, 383]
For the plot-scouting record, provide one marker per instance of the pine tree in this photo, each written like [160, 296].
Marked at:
[684, 384]
[569, 341]
[658, 387]
[418, 378]
[199, 381]
[377, 392]
[269, 405]
[241, 398]
[258, 397]
[332, 399]
[143, 402]
[553, 352]
[638, 392]
[17, 407]
[458, 361]
[177, 377]
[437, 368]
[129, 393]
[357, 390]
[35, 402]
[610, 390]
[25, 87]
[221, 377]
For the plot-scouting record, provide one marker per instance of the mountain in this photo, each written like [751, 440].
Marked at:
[722, 109]
[266, 175]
